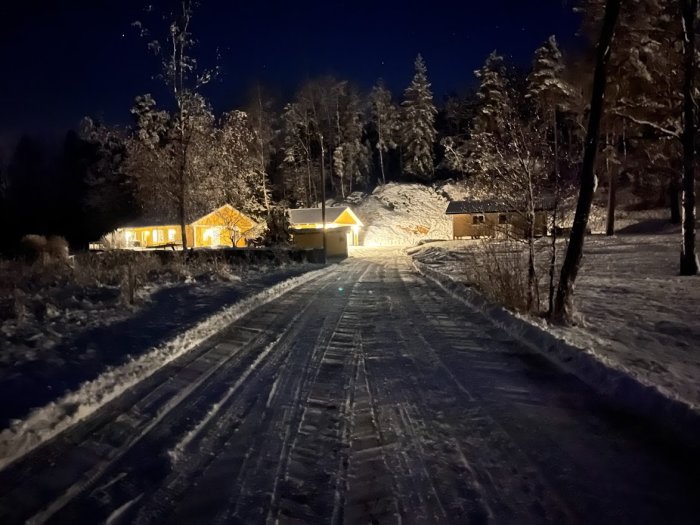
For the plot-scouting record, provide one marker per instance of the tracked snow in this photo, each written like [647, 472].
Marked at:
[45, 422]
[636, 313]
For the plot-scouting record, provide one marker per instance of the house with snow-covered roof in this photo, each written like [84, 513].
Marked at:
[342, 229]
[224, 226]
[492, 218]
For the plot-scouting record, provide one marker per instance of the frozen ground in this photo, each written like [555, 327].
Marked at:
[366, 394]
[33, 376]
[637, 315]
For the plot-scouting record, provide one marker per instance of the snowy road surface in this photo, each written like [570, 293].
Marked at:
[366, 395]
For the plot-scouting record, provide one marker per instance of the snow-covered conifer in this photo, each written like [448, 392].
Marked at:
[418, 133]
[385, 117]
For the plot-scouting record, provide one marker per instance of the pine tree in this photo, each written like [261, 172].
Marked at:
[354, 152]
[493, 95]
[550, 94]
[490, 119]
[301, 176]
[385, 117]
[417, 130]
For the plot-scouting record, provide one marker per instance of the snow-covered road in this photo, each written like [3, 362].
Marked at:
[365, 395]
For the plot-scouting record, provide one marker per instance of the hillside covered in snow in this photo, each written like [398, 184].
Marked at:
[402, 215]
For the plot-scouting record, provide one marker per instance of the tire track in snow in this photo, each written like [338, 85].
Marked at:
[250, 445]
[99, 449]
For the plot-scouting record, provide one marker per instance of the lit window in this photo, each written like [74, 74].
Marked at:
[171, 235]
[213, 236]
[157, 236]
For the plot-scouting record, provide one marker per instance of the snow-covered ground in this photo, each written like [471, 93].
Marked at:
[69, 343]
[113, 374]
[364, 395]
[399, 214]
[637, 315]
[402, 215]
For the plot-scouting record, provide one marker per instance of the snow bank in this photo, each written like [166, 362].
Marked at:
[44, 423]
[641, 327]
[402, 215]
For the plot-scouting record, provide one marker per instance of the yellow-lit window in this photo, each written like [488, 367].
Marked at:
[213, 236]
[171, 235]
[157, 236]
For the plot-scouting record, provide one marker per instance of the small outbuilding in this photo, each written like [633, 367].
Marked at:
[342, 229]
[475, 219]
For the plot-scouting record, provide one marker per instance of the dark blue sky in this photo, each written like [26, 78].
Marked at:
[61, 60]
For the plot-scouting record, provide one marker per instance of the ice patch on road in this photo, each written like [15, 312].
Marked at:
[46, 422]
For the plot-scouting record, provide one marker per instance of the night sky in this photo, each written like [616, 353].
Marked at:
[65, 59]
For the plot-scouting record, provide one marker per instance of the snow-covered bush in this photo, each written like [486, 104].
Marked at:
[33, 248]
[57, 248]
[38, 248]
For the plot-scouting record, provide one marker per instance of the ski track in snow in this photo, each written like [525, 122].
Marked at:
[364, 395]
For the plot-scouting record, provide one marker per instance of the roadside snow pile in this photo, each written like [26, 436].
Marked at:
[403, 214]
[638, 317]
[44, 423]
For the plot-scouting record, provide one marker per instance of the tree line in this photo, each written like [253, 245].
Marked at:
[521, 137]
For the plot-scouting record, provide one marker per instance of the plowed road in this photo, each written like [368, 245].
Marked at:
[366, 395]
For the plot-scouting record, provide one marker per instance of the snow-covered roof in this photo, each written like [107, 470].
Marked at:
[490, 206]
[313, 215]
[147, 221]
[153, 220]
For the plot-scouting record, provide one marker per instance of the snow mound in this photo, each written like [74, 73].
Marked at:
[403, 215]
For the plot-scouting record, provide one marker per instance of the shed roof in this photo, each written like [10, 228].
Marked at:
[313, 215]
[491, 206]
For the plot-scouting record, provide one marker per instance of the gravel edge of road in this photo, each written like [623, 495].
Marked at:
[624, 391]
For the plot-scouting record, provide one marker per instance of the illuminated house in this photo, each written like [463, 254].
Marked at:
[225, 226]
[342, 229]
[474, 219]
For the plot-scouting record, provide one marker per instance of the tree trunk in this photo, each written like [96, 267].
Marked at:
[323, 203]
[532, 291]
[263, 163]
[674, 201]
[308, 174]
[553, 259]
[183, 221]
[181, 197]
[381, 166]
[563, 305]
[689, 259]
[612, 201]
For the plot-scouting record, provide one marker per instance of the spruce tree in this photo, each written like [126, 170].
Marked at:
[550, 94]
[418, 131]
[493, 95]
[385, 118]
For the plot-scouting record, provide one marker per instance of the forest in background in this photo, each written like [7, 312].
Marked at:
[180, 158]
